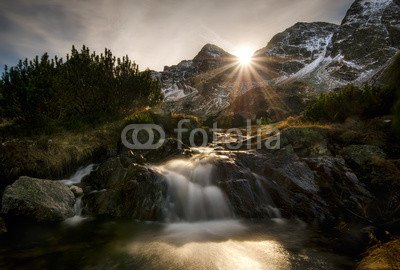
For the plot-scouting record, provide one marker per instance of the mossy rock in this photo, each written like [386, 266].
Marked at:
[37, 200]
[361, 155]
[306, 141]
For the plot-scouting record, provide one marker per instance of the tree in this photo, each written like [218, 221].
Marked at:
[87, 87]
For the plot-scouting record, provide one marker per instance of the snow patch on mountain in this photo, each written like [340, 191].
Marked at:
[174, 92]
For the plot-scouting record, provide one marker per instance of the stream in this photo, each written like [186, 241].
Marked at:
[200, 231]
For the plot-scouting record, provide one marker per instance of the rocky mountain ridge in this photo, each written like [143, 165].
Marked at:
[319, 56]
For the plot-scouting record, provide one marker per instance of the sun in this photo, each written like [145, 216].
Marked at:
[244, 55]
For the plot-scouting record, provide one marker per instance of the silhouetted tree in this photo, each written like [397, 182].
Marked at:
[85, 87]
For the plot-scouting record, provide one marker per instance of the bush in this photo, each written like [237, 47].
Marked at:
[87, 88]
[366, 102]
[234, 120]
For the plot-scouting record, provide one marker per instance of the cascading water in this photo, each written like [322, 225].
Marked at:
[212, 185]
[76, 178]
[192, 193]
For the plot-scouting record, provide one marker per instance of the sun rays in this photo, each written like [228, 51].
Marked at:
[243, 72]
[244, 55]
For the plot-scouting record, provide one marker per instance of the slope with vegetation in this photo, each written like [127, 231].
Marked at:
[53, 94]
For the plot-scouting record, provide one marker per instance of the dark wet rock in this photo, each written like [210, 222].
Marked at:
[37, 200]
[249, 193]
[345, 195]
[249, 199]
[108, 173]
[382, 178]
[121, 188]
[291, 172]
[137, 194]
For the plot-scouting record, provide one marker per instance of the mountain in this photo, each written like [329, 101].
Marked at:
[294, 66]
[367, 40]
[296, 51]
[178, 80]
[328, 56]
[206, 84]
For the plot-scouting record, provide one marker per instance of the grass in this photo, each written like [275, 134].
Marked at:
[55, 155]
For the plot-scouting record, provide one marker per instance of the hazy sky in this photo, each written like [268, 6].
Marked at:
[152, 32]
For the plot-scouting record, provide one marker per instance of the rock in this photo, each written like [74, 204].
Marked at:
[340, 188]
[386, 256]
[78, 192]
[306, 141]
[37, 200]
[250, 199]
[361, 155]
[115, 169]
[138, 194]
[107, 174]
[258, 184]
[291, 172]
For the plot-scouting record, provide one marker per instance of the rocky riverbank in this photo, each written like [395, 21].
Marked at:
[340, 179]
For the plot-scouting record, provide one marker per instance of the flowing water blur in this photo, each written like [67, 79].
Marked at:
[192, 195]
[76, 178]
[200, 231]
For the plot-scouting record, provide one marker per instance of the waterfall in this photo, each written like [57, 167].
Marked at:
[214, 185]
[77, 218]
[76, 178]
[192, 192]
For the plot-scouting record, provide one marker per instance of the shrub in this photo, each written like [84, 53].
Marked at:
[87, 88]
[366, 102]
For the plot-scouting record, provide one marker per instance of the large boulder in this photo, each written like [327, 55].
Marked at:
[37, 200]
[138, 193]
[340, 188]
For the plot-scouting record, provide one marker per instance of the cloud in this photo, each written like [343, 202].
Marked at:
[152, 32]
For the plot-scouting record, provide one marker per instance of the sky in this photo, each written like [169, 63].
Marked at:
[154, 33]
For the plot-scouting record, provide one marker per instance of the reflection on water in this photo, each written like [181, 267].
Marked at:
[210, 245]
[203, 245]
